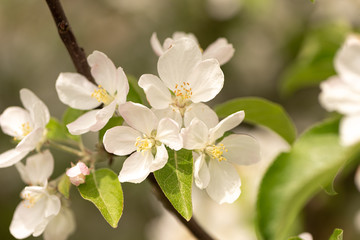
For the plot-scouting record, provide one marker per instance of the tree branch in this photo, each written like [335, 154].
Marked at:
[77, 54]
[79, 59]
[191, 225]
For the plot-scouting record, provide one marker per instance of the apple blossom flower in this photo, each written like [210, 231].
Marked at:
[190, 79]
[28, 126]
[61, 226]
[77, 173]
[39, 205]
[213, 169]
[76, 91]
[220, 49]
[341, 93]
[145, 139]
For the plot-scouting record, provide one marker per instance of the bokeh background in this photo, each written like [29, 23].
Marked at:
[283, 50]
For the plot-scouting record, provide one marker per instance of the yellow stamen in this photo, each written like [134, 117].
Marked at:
[143, 144]
[25, 130]
[102, 95]
[30, 199]
[216, 152]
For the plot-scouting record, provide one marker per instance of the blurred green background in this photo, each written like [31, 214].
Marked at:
[283, 50]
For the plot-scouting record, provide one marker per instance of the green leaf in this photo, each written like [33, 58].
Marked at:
[113, 122]
[103, 189]
[175, 180]
[337, 234]
[64, 186]
[314, 62]
[58, 132]
[296, 176]
[136, 94]
[263, 112]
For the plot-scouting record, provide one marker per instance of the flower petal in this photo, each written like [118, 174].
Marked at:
[139, 117]
[155, 44]
[224, 185]
[242, 149]
[122, 86]
[30, 141]
[161, 158]
[202, 112]
[221, 50]
[350, 130]
[336, 95]
[206, 80]
[104, 71]
[176, 64]
[39, 167]
[201, 171]
[156, 92]
[103, 116]
[136, 167]
[347, 62]
[53, 206]
[226, 124]
[11, 157]
[169, 112]
[83, 124]
[35, 106]
[196, 135]
[179, 35]
[12, 121]
[168, 133]
[121, 140]
[61, 226]
[75, 91]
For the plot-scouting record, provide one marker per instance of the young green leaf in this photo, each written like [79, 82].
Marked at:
[263, 112]
[337, 234]
[175, 180]
[136, 94]
[294, 177]
[103, 189]
[314, 62]
[64, 186]
[58, 132]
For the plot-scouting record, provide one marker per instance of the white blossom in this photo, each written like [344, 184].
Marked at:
[341, 93]
[61, 226]
[39, 205]
[145, 139]
[190, 80]
[213, 169]
[220, 49]
[27, 126]
[76, 91]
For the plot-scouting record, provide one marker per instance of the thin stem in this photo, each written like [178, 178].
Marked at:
[67, 149]
[77, 53]
[191, 225]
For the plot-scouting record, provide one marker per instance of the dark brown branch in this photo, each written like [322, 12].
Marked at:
[191, 225]
[76, 52]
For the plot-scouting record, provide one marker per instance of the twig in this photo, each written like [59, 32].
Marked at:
[191, 225]
[79, 59]
[77, 54]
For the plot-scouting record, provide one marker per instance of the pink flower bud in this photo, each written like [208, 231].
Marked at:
[77, 173]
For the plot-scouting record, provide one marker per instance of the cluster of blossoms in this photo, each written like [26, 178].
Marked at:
[178, 118]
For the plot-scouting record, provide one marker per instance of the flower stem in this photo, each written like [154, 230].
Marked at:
[67, 149]
[77, 53]
[191, 225]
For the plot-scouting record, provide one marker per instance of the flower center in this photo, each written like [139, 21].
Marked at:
[31, 199]
[216, 152]
[144, 144]
[102, 95]
[25, 130]
[182, 93]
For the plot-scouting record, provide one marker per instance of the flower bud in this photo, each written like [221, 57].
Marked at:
[77, 173]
